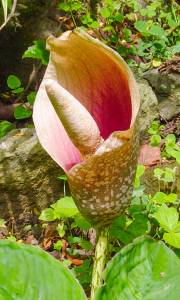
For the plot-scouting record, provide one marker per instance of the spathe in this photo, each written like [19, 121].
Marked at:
[95, 78]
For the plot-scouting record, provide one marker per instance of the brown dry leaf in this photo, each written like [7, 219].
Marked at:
[47, 243]
[75, 261]
[149, 156]
[64, 246]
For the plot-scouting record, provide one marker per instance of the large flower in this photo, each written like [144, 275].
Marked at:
[85, 116]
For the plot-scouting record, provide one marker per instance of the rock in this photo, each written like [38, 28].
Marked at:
[149, 105]
[152, 185]
[35, 20]
[167, 89]
[28, 176]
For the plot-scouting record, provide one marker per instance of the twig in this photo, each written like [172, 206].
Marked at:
[99, 260]
[10, 15]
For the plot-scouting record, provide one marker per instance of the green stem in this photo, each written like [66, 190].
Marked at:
[99, 259]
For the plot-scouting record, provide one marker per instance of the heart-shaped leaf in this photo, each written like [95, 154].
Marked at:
[143, 270]
[28, 273]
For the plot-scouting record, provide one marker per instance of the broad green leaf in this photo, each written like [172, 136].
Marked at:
[21, 113]
[5, 127]
[65, 208]
[13, 82]
[143, 270]
[38, 51]
[172, 238]
[28, 273]
[47, 215]
[167, 217]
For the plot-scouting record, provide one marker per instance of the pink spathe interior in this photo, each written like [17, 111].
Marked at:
[97, 80]
[93, 75]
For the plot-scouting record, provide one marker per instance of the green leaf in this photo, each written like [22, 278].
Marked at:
[161, 197]
[158, 173]
[94, 25]
[136, 228]
[38, 51]
[157, 30]
[58, 245]
[18, 90]
[47, 215]
[154, 129]
[105, 12]
[118, 17]
[141, 26]
[81, 222]
[172, 238]
[143, 270]
[13, 82]
[155, 140]
[31, 97]
[21, 113]
[169, 175]
[64, 6]
[76, 6]
[167, 217]
[5, 127]
[84, 272]
[65, 208]
[61, 229]
[28, 273]
[63, 177]
[170, 140]
[139, 172]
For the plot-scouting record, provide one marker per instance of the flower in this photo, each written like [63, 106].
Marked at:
[85, 115]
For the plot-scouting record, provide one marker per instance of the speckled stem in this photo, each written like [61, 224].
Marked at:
[99, 259]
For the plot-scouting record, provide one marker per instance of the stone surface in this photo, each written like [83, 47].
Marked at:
[36, 20]
[167, 89]
[149, 105]
[151, 184]
[28, 176]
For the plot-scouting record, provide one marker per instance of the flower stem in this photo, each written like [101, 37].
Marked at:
[99, 259]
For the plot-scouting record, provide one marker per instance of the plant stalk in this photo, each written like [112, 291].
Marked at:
[99, 260]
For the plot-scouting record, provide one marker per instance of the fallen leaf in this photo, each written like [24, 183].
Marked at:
[75, 261]
[47, 243]
[149, 156]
